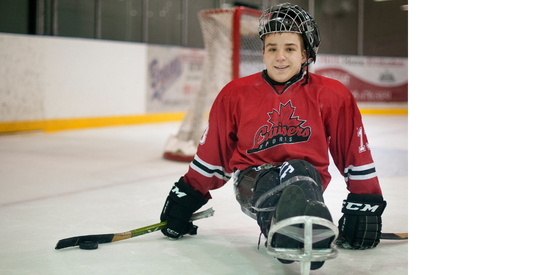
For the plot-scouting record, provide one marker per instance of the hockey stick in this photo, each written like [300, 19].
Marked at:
[109, 238]
[395, 236]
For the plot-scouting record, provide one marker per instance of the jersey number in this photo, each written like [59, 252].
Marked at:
[362, 146]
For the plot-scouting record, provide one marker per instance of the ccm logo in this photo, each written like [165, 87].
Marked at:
[178, 193]
[361, 207]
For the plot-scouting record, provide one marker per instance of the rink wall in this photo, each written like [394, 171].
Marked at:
[56, 83]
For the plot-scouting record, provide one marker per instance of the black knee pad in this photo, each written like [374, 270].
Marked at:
[266, 195]
[304, 175]
[266, 180]
[299, 167]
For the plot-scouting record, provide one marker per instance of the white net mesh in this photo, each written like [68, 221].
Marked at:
[229, 54]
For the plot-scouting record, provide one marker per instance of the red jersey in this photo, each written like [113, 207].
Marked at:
[252, 123]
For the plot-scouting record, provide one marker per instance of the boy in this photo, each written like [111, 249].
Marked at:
[274, 130]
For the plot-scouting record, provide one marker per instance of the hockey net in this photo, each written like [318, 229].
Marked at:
[233, 50]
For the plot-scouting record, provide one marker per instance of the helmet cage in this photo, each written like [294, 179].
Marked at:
[291, 18]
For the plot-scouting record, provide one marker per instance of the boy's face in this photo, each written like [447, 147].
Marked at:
[283, 55]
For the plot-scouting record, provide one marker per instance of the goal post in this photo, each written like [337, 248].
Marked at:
[233, 49]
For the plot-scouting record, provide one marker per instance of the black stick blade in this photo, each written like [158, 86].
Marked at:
[75, 241]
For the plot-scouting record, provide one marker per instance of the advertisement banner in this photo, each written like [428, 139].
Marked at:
[173, 78]
[370, 79]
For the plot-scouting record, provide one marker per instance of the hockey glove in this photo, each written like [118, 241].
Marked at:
[361, 223]
[180, 204]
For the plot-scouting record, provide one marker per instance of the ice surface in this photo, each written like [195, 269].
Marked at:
[113, 179]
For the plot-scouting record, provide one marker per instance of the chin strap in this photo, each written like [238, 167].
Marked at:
[307, 76]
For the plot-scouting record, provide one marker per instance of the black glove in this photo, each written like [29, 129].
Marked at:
[180, 204]
[361, 223]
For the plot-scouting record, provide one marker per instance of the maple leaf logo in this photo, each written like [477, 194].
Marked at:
[285, 116]
[285, 128]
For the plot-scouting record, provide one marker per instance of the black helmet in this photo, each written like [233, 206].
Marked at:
[291, 18]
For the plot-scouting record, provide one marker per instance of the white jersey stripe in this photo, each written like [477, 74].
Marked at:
[209, 170]
[363, 172]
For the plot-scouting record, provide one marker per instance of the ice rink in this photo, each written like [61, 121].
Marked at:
[113, 179]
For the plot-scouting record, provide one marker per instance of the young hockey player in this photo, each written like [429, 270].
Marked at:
[274, 131]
